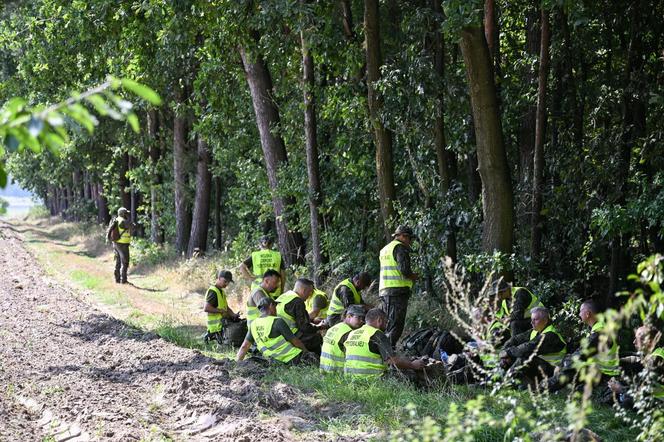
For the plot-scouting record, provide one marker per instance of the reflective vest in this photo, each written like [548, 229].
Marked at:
[214, 319]
[125, 234]
[283, 300]
[273, 348]
[658, 388]
[608, 362]
[360, 360]
[261, 262]
[534, 302]
[322, 313]
[552, 358]
[252, 310]
[390, 276]
[336, 306]
[332, 358]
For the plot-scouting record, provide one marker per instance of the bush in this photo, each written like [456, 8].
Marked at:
[38, 212]
[144, 252]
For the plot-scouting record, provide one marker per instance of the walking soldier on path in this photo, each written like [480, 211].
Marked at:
[254, 267]
[396, 281]
[216, 306]
[119, 233]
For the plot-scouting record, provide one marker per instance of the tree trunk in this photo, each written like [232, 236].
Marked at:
[382, 136]
[540, 133]
[497, 232]
[347, 20]
[315, 192]
[217, 213]
[291, 243]
[527, 125]
[103, 214]
[492, 35]
[200, 221]
[156, 235]
[442, 154]
[180, 177]
[125, 198]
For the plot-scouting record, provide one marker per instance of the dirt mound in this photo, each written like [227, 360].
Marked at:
[70, 372]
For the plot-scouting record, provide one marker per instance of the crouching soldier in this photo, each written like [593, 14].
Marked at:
[369, 352]
[274, 338]
[216, 306]
[333, 355]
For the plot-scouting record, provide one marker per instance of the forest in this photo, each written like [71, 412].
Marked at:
[524, 137]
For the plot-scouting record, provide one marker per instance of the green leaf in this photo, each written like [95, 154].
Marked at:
[99, 103]
[133, 122]
[142, 91]
[3, 176]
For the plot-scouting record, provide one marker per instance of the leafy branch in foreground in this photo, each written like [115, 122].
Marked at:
[34, 127]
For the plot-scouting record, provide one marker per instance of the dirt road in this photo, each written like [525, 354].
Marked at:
[70, 372]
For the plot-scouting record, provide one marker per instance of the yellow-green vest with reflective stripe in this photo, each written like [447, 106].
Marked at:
[214, 319]
[274, 348]
[658, 389]
[252, 310]
[261, 262]
[390, 276]
[608, 362]
[336, 306]
[322, 313]
[552, 358]
[282, 313]
[360, 360]
[332, 358]
[125, 234]
[534, 302]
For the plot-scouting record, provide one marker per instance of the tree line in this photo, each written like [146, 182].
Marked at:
[520, 136]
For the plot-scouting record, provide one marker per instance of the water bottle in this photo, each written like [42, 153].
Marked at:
[443, 356]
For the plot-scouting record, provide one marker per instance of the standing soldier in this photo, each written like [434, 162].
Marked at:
[216, 306]
[119, 233]
[396, 281]
[254, 267]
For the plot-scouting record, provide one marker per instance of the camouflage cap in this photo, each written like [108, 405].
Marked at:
[227, 275]
[355, 310]
[404, 230]
[265, 303]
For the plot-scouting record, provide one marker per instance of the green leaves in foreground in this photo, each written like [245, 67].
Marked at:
[35, 127]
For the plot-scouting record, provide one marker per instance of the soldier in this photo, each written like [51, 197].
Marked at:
[119, 233]
[254, 267]
[396, 281]
[216, 306]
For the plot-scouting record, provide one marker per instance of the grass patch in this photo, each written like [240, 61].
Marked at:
[387, 404]
[85, 279]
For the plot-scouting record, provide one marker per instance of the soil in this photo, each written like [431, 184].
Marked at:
[70, 372]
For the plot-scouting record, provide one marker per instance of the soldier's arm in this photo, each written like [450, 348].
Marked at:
[245, 271]
[402, 257]
[244, 348]
[279, 326]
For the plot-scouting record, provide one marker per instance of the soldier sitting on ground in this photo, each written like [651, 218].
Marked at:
[273, 338]
[534, 354]
[333, 354]
[271, 280]
[216, 306]
[369, 352]
[317, 306]
[347, 292]
[515, 305]
[291, 307]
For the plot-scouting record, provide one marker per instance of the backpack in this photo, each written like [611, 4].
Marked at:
[113, 232]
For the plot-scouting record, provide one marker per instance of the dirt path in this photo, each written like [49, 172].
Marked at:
[70, 372]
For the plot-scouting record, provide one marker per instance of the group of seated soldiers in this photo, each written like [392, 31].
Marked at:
[521, 341]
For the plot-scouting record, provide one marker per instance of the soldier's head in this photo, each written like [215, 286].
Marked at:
[304, 288]
[646, 338]
[354, 316]
[265, 242]
[376, 318]
[224, 277]
[540, 318]
[361, 280]
[501, 289]
[123, 212]
[267, 307]
[588, 312]
[271, 280]
[404, 234]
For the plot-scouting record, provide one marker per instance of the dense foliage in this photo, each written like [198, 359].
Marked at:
[601, 185]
